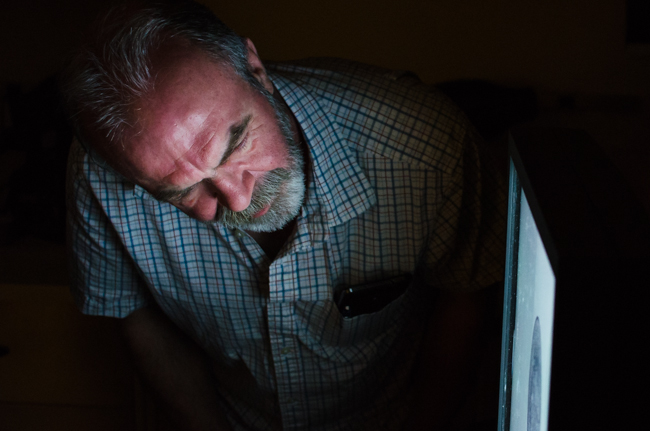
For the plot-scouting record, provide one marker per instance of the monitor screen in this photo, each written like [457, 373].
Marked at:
[533, 335]
[531, 341]
[576, 290]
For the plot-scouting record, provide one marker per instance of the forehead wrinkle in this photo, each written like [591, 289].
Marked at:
[188, 164]
[196, 154]
[205, 138]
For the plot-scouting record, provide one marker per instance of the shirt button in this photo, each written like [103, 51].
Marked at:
[239, 233]
[286, 350]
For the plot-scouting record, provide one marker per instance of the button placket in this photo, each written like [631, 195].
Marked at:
[286, 361]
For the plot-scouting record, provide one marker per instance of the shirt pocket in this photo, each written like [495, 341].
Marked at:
[369, 298]
[385, 305]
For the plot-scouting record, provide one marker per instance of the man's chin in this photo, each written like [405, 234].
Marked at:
[270, 221]
[260, 224]
[275, 215]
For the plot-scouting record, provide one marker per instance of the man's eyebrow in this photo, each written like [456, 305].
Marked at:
[236, 133]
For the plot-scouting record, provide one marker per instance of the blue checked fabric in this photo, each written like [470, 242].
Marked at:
[399, 186]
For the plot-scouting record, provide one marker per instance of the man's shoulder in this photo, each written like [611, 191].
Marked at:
[339, 69]
[335, 76]
[388, 113]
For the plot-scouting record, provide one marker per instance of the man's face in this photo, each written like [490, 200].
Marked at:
[216, 148]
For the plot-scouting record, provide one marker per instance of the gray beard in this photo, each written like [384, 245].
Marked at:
[283, 189]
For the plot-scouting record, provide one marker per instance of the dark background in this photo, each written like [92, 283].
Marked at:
[555, 45]
[577, 61]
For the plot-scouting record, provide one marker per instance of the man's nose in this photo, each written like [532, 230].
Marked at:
[233, 190]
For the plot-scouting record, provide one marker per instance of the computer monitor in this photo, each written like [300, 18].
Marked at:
[576, 310]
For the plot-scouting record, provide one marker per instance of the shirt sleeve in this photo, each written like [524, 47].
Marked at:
[468, 229]
[104, 280]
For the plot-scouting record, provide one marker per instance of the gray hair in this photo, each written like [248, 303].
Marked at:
[113, 69]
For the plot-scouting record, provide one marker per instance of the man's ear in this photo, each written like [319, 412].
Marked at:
[257, 68]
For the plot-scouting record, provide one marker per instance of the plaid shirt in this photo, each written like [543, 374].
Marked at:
[398, 191]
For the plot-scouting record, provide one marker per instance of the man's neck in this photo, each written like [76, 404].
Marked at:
[272, 242]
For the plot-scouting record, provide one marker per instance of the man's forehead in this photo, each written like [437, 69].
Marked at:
[162, 190]
[178, 57]
[194, 100]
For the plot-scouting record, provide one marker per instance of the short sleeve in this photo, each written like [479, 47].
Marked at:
[104, 280]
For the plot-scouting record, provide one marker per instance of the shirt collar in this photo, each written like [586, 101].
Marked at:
[342, 188]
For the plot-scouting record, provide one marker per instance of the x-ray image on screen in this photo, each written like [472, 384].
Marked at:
[532, 339]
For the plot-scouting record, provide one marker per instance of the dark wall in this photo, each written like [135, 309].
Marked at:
[553, 45]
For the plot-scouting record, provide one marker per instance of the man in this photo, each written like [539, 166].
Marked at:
[291, 246]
